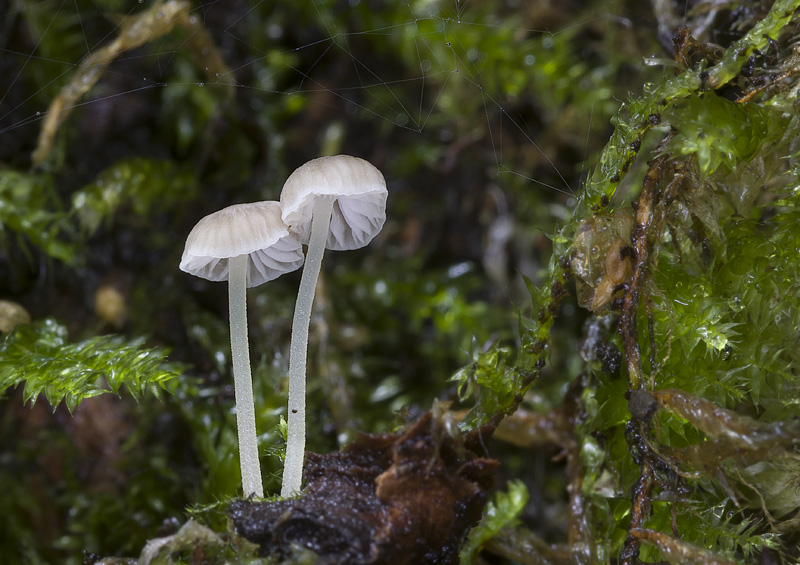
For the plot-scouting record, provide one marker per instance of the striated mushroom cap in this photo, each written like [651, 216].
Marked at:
[360, 207]
[254, 229]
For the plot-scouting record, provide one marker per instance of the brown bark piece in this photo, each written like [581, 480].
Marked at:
[386, 498]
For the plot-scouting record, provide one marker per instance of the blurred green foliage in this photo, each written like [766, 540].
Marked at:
[145, 186]
[483, 118]
[30, 214]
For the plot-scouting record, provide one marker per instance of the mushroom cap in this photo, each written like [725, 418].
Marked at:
[254, 229]
[360, 207]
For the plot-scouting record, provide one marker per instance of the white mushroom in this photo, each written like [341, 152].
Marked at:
[336, 202]
[247, 245]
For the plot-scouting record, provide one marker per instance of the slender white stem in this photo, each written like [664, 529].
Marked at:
[242, 380]
[298, 351]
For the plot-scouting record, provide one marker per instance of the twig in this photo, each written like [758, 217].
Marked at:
[638, 429]
[134, 32]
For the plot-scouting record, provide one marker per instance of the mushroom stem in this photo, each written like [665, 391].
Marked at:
[242, 380]
[298, 350]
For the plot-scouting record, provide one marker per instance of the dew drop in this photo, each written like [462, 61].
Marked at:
[38, 113]
[201, 84]
[448, 44]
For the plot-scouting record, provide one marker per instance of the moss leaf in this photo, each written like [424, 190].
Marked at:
[39, 356]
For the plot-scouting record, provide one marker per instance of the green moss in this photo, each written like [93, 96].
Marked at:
[716, 315]
[40, 357]
[502, 512]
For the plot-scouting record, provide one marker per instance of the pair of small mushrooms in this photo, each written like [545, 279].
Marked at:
[337, 203]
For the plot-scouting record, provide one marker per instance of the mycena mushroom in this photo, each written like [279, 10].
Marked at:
[246, 245]
[336, 202]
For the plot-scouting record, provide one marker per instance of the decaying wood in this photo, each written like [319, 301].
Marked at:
[406, 498]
